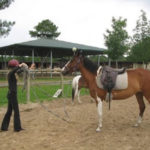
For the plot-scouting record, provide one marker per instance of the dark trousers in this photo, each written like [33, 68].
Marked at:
[12, 105]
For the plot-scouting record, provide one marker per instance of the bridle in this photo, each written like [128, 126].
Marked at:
[75, 67]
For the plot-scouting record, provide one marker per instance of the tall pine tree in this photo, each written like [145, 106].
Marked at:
[45, 29]
[140, 44]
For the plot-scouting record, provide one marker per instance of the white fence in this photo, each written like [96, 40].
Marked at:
[34, 73]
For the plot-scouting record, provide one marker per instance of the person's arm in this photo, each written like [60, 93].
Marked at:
[18, 67]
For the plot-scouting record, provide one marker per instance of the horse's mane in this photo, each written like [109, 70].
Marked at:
[90, 66]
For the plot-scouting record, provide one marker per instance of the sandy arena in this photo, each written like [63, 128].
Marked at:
[43, 131]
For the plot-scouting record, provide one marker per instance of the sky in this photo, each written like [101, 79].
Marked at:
[79, 21]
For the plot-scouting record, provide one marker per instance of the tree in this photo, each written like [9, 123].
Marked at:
[142, 29]
[116, 40]
[141, 51]
[45, 29]
[5, 3]
[140, 44]
[5, 26]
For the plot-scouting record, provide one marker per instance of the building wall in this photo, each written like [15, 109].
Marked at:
[137, 65]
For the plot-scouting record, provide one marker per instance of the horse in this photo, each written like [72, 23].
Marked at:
[78, 82]
[138, 84]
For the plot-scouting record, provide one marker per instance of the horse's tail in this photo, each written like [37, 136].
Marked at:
[73, 94]
[74, 91]
[109, 99]
[75, 87]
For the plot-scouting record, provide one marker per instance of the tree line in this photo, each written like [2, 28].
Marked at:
[117, 39]
[136, 47]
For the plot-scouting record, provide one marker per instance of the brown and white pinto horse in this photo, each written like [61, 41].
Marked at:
[78, 83]
[138, 84]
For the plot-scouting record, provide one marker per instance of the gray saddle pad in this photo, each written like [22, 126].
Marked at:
[121, 81]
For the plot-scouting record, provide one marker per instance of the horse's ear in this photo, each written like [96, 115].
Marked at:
[77, 53]
[80, 53]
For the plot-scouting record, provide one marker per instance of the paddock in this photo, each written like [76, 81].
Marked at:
[44, 131]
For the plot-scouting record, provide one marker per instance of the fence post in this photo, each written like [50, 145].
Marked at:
[62, 85]
[28, 88]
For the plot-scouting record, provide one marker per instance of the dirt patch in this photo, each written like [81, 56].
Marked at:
[43, 131]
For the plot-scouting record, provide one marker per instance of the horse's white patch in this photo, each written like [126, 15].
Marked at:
[121, 81]
[63, 69]
[98, 70]
[139, 121]
[75, 82]
[100, 113]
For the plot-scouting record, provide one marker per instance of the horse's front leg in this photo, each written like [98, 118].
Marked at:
[99, 107]
[100, 113]
[141, 103]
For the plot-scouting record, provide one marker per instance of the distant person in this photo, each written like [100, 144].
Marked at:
[32, 66]
[15, 68]
[32, 72]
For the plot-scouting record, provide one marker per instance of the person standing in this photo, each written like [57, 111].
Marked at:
[15, 68]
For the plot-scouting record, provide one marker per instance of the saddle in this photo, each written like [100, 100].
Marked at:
[108, 79]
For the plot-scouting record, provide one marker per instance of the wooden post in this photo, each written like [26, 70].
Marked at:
[62, 85]
[109, 62]
[28, 88]
[98, 60]
[32, 56]
[51, 63]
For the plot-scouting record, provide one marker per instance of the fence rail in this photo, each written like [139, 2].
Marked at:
[31, 82]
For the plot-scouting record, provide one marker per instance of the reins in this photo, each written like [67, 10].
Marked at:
[50, 111]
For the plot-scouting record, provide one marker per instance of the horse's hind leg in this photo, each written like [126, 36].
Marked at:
[141, 103]
[78, 95]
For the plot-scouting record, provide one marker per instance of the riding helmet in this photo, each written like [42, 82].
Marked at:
[13, 63]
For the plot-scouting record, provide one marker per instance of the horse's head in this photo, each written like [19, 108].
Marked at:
[73, 64]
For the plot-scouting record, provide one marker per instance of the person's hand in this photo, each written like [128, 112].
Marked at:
[23, 65]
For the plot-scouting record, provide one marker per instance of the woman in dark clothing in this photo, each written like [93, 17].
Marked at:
[15, 67]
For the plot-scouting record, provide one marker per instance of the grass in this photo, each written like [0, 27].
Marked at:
[42, 93]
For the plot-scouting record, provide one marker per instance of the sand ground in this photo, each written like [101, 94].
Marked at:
[43, 131]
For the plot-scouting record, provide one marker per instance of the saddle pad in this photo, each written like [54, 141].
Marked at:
[121, 81]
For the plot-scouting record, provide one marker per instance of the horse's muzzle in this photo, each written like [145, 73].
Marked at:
[64, 71]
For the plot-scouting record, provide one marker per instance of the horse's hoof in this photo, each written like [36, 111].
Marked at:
[92, 101]
[98, 129]
[79, 102]
[136, 125]
[106, 100]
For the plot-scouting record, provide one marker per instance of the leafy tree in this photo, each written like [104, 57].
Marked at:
[5, 26]
[140, 52]
[142, 29]
[45, 29]
[95, 58]
[140, 44]
[116, 40]
[5, 3]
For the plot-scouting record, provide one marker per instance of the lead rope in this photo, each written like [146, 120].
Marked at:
[109, 99]
[48, 110]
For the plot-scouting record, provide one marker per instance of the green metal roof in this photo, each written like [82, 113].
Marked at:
[42, 47]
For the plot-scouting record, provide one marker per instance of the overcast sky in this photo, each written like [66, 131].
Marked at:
[79, 21]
